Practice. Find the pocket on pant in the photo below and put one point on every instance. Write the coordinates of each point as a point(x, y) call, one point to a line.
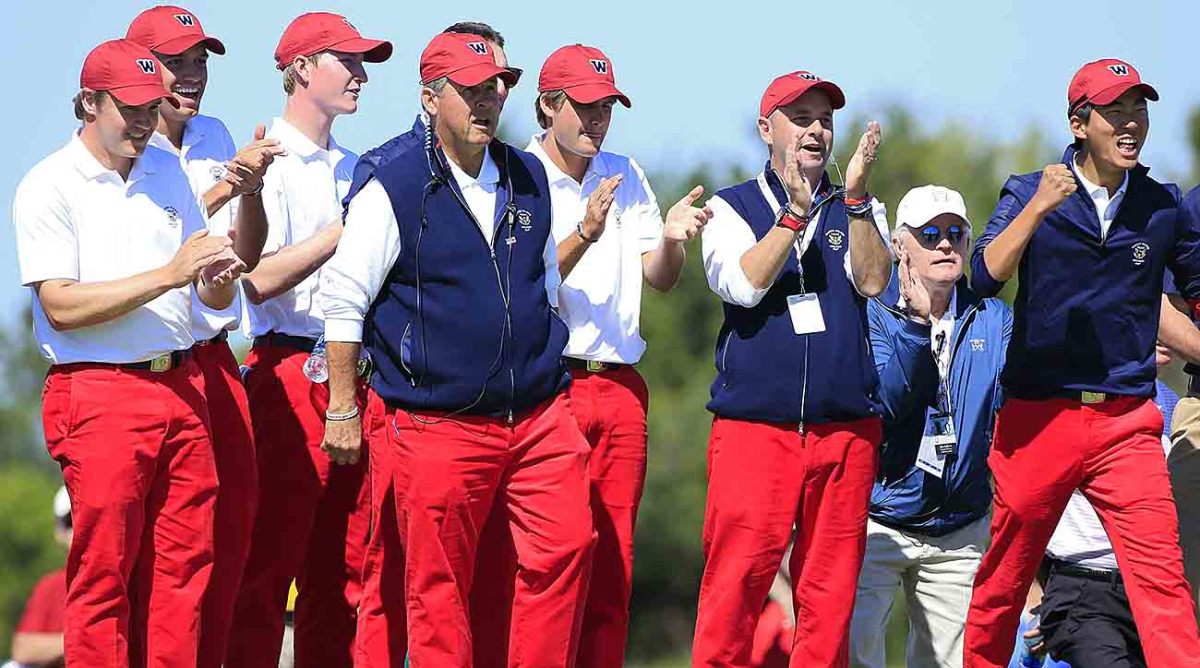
point(58, 411)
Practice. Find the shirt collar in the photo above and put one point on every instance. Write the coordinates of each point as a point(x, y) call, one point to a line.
point(193, 133)
point(298, 143)
point(489, 173)
point(597, 166)
point(1096, 192)
point(91, 169)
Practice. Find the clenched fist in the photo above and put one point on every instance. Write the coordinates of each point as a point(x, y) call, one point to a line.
point(1057, 184)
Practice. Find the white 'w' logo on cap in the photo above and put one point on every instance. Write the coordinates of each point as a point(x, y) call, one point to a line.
point(808, 76)
point(146, 64)
point(185, 20)
point(478, 47)
point(601, 66)
point(1119, 70)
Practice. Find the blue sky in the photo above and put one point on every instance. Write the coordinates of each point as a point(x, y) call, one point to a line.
point(695, 74)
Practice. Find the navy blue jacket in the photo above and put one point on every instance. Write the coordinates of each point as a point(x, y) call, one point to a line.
point(767, 372)
point(460, 325)
point(1086, 312)
point(904, 496)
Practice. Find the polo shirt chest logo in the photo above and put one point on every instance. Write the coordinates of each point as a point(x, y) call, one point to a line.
point(217, 172)
point(172, 216)
point(1140, 250)
point(835, 238)
point(525, 220)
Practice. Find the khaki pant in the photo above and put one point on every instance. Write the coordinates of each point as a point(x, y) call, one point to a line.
point(1183, 463)
point(937, 575)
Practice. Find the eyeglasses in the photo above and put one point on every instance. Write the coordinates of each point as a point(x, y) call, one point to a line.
point(931, 235)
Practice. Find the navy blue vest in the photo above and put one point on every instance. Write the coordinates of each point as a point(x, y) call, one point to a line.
point(767, 372)
point(460, 325)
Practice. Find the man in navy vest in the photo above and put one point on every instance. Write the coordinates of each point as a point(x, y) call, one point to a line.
point(447, 273)
point(797, 417)
point(1089, 239)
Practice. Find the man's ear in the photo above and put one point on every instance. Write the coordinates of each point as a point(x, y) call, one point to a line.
point(429, 101)
point(90, 102)
point(764, 130)
point(1079, 128)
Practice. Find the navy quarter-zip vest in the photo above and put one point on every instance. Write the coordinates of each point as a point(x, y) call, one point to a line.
point(767, 372)
point(460, 325)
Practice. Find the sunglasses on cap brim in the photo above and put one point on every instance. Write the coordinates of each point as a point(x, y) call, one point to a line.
point(931, 235)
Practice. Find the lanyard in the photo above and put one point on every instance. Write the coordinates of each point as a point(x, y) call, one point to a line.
point(943, 392)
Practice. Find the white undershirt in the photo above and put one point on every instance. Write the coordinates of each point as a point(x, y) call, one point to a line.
point(1106, 207)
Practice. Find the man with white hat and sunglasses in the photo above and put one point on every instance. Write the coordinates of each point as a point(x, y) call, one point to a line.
point(939, 349)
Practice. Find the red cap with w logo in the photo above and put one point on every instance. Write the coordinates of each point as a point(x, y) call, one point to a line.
point(467, 60)
point(1101, 82)
point(786, 89)
point(170, 31)
point(584, 73)
point(314, 32)
point(128, 71)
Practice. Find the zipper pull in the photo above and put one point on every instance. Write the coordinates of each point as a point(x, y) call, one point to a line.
point(510, 417)
point(800, 428)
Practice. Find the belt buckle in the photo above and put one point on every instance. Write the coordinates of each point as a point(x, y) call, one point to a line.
point(1092, 397)
point(596, 366)
point(161, 363)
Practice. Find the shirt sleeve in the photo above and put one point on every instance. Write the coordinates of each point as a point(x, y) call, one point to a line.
point(647, 217)
point(724, 241)
point(1007, 209)
point(879, 215)
point(47, 246)
point(42, 611)
point(365, 254)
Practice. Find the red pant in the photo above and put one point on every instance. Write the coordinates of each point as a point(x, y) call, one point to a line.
point(312, 525)
point(237, 471)
point(610, 408)
point(382, 640)
point(447, 472)
point(137, 461)
point(1111, 451)
point(764, 478)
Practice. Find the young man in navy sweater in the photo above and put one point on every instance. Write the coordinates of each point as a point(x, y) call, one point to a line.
point(795, 400)
point(1089, 239)
point(447, 273)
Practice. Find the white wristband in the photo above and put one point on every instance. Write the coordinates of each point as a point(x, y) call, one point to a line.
point(342, 417)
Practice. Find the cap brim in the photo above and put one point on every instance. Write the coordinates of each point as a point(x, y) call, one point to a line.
point(174, 47)
point(372, 50)
point(473, 75)
point(837, 99)
point(594, 92)
point(136, 96)
point(1110, 94)
point(913, 224)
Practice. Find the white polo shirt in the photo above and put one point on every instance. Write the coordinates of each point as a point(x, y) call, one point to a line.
point(601, 299)
point(79, 221)
point(302, 194)
point(370, 245)
point(727, 237)
point(1106, 206)
point(207, 146)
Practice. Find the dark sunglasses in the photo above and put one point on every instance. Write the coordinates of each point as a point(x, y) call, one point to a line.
point(930, 235)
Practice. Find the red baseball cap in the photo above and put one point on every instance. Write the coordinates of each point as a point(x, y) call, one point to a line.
point(785, 89)
point(128, 71)
point(324, 31)
point(584, 73)
point(466, 59)
point(170, 30)
point(1101, 82)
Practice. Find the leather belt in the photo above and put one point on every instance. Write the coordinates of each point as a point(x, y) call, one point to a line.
point(302, 343)
point(1075, 570)
point(162, 363)
point(592, 366)
point(219, 338)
